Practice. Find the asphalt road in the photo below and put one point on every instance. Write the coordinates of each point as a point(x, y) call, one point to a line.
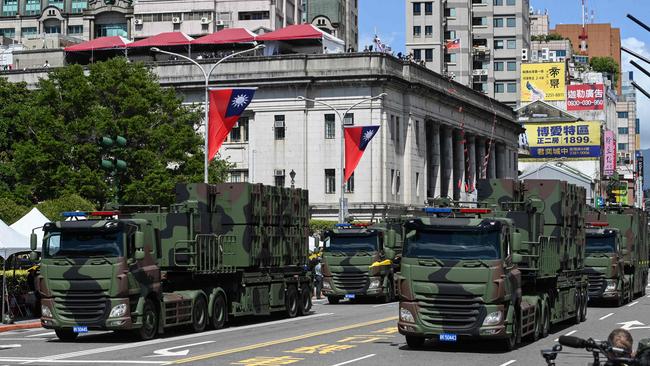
point(333, 335)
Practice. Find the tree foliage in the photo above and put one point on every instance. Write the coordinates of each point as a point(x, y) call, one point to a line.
point(547, 37)
point(52, 209)
point(606, 65)
point(10, 211)
point(52, 149)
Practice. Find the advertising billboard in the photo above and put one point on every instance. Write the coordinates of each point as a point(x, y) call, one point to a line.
point(585, 97)
point(570, 140)
point(543, 81)
point(609, 155)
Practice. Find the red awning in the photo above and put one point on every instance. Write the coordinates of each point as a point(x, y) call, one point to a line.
point(293, 32)
point(226, 36)
point(163, 40)
point(103, 43)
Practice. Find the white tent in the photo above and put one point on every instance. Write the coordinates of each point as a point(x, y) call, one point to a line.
point(30, 221)
point(11, 241)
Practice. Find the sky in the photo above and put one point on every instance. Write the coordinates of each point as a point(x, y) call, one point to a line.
point(387, 19)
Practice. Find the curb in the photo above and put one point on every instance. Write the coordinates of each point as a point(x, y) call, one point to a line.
point(31, 325)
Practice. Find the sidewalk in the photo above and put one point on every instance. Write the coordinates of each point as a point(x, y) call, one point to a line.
point(23, 324)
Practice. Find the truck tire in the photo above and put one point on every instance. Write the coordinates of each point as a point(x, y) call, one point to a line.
point(546, 321)
point(291, 302)
point(66, 335)
point(305, 301)
point(219, 312)
point(149, 327)
point(511, 342)
point(583, 310)
point(199, 315)
point(333, 300)
point(415, 342)
point(390, 292)
point(537, 332)
point(578, 300)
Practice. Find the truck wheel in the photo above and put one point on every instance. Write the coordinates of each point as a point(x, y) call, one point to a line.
point(333, 300)
point(66, 335)
point(583, 310)
point(218, 319)
point(546, 322)
point(390, 292)
point(291, 302)
point(415, 342)
point(199, 315)
point(149, 322)
point(534, 336)
point(578, 300)
point(510, 343)
point(305, 301)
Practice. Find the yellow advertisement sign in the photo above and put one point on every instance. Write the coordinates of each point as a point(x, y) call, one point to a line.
point(544, 81)
point(564, 140)
point(621, 196)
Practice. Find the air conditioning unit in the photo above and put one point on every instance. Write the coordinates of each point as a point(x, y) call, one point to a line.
point(479, 72)
point(176, 20)
point(138, 22)
point(278, 172)
point(524, 54)
point(552, 55)
point(220, 23)
point(205, 20)
point(279, 124)
point(545, 54)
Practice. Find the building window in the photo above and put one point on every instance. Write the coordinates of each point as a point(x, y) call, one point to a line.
point(279, 127)
point(417, 8)
point(53, 29)
point(499, 87)
point(348, 120)
point(428, 31)
point(78, 6)
point(637, 126)
point(28, 31)
point(417, 184)
point(349, 185)
point(279, 181)
point(330, 126)
point(511, 22)
point(622, 114)
point(8, 32)
point(417, 55)
point(392, 181)
point(417, 31)
point(239, 132)
point(330, 181)
point(10, 8)
point(450, 12)
point(451, 58)
point(511, 2)
point(57, 3)
point(397, 131)
point(623, 130)
point(511, 44)
point(33, 7)
point(75, 29)
point(511, 87)
point(253, 15)
point(622, 147)
point(428, 55)
point(498, 22)
point(428, 8)
point(498, 2)
point(238, 176)
point(417, 132)
point(450, 34)
point(512, 65)
point(498, 44)
point(498, 66)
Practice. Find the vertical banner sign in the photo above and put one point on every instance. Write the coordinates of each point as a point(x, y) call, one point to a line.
point(545, 81)
point(585, 97)
point(609, 155)
point(639, 166)
point(573, 140)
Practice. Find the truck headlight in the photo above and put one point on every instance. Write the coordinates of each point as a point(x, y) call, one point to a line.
point(375, 283)
point(45, 311)
point(327, 285)
point(118, 311)
point(611, 286)
point(493, 318)
point(406, 316)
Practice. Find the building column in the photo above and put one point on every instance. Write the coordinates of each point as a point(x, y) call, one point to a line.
point(433, 159)
point(446, 157)
point(492, 162)
point(471, 151)
point(501, 160)
point(459, 164)
point(480, 157)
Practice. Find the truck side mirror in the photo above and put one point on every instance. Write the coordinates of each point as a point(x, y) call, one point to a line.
point(139, 240)
point(33, 241)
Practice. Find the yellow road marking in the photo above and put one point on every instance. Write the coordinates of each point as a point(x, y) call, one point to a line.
point(284, 340)
point(363, 338)
point(389, 330)
point(268, 361)
point(321, 349)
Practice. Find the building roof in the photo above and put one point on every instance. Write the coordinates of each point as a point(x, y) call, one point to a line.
point(102, 43)
point(163, 40)
point(293, 32)
point(226, 36)
point(541, 111)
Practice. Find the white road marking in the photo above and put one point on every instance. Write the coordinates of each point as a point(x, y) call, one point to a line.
point(632, 304)
point(633, 325)
point(388, 304)
point(355, 360)
point(9, 346)
point(87, 352)
point(109, 362)
point(606, 316)
point(508, 363)
point(648, 296)
point(41, 335)
point(571, 332)
point(167, 352)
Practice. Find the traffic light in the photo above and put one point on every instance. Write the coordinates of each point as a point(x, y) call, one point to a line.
point(110, 162)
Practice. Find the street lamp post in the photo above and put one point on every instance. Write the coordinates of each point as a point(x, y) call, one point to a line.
point(206, 75)
point(341, 119)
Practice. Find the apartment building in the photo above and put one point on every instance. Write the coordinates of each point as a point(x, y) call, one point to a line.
point(339, 18)
point(539, 23)
point(479, 43)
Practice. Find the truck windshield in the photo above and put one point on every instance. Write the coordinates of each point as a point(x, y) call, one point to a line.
point(454, 245)
point(352, 243)
point(601, 244)
point(83, 244)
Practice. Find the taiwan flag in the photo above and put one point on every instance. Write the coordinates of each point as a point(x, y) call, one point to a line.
point(226, 105)
point(356, 141)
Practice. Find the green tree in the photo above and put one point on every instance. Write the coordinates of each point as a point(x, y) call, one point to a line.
point(10, 211)
point(606, 65)
point(52, 209)
point(54, 150)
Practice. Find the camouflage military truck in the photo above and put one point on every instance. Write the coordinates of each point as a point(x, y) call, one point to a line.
point(221, 251)
point(358, 260)
point(617, 254)
point(505, 270)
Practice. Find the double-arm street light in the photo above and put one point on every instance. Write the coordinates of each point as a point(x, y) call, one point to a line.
point(341, 119)
point(206, 74)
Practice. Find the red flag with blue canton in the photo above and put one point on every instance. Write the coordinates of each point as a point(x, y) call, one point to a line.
point(226, 105)
point(356, 141)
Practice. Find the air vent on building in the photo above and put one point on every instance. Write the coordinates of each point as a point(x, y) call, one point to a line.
point(279, 124)
point(205, 20)
point(176, 20)
point(220, 23)
point(138, 22)
point(524, 54)
point(278, 172)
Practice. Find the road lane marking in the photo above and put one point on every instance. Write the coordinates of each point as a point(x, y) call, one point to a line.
point(568, 334)
point(632, 304)
point(167, 352)
point(179, 338)
point(283, 340)
point(40, 335)
point(606, 316)
point(508, 363)
point(106, 362)
point(388, 304)
point(355, 360)
point(9, 346)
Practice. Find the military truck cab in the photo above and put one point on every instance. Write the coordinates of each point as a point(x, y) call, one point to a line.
point(358, 261)
point(604, 264)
